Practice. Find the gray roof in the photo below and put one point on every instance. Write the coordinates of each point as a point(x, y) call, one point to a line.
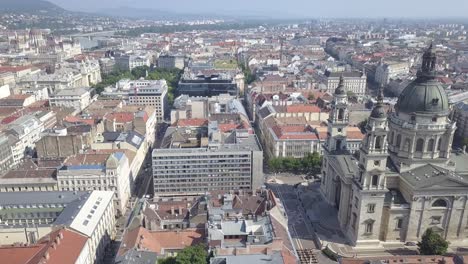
point(353, 74)
point(72, 92)
point(461, 166)
point(346, 164)
point(134, 256)
point(433, 177)
point(265, 111)
point(71, 211)
point(274, 258)
point(131, 137)
point(18, 198)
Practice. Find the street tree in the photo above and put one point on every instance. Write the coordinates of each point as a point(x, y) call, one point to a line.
point(432, 244)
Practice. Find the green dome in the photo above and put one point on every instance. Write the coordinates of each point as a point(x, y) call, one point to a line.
point(423, 96)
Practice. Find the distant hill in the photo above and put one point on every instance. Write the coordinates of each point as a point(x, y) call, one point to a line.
point(148, 13)
point(29, 6)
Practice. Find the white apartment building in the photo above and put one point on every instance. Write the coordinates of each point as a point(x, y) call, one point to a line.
point(142, 92)
point(69, 75)
point(76, 98)
point(6, 155)
point(129, 62)
point(355, 82)
point(389, 70)
point(103, 172)
point(23, 133)
point(96, 220)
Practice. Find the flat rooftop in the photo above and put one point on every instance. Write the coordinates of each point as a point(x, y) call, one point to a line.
point(249, 143)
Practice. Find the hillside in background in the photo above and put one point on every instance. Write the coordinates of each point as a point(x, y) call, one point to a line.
point(29, 6)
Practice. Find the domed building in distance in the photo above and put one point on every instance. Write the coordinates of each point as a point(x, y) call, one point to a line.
point(404, 181)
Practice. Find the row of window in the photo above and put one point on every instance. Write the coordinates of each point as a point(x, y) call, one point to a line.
point(86, 182)
point(419, 143)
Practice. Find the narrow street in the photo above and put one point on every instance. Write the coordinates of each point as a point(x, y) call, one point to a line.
point(301, 229)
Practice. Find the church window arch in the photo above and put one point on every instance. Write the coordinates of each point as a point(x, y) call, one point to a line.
point(341, 114)
point(378, 142)
point(439, 203)
point(439, 144)
point(430, 145)
point(406, 146)
point(420, 145)
point(398, 141)
point(375, 180)
point(369, 226)
point(390, 139)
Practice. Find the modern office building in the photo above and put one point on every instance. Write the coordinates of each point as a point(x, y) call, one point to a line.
point(194, 166)
point(203, 85)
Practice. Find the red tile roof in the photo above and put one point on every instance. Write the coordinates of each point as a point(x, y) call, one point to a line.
point(18, 96)
point(157, 241)
point(86, 159)
point(19, 254)
point(60, 246)
point(75, 119)
point(228, 127)
point(194, 122)
point(302, 108)
point(354, 133)
point(14, 68)
point(64, 246)
point(120, 117)
point(294, 132)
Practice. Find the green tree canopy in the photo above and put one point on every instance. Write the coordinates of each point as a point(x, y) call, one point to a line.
point(192, 255)
point(311, 96)
point(432, 244)
point(310, 163)
point(172, 77)
point(275, 164)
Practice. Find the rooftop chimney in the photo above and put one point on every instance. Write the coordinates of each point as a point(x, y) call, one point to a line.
point(172, 210)
point(180, 210)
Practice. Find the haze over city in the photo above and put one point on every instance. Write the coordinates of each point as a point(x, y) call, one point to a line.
point(233, 132)
point(289, 9)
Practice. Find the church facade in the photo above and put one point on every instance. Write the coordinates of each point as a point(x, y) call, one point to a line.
point(403, 181)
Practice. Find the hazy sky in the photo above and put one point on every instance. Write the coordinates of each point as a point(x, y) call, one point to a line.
point(285, 8)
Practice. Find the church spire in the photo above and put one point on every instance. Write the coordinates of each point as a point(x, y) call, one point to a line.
point(428, 63)
point(340, 90)
point(379, 110)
